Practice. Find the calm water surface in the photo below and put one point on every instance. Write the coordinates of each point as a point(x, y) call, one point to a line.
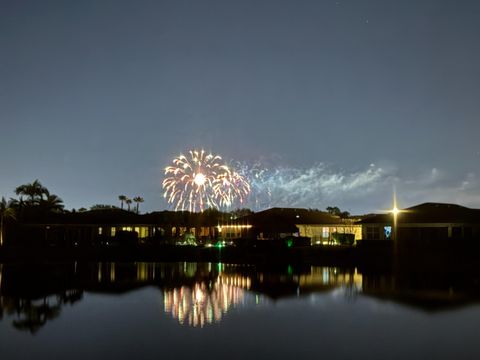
point(208, 310)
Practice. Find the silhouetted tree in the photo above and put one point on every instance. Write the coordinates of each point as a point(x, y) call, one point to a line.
point(33, 191)
point(52, 203)
point(35, 316)
point(128, 202)
point(211, 216)
point(122, 198)
point(238, 213)
point(6, 211)
point(138, 200)
point(18, 204)
point(82, 209)
point(334, 210)
point(102, 207)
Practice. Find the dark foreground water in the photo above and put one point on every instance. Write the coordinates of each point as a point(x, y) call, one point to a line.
point(213, 311)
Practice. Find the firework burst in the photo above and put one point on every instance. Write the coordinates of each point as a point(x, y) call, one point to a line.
point(200, 180)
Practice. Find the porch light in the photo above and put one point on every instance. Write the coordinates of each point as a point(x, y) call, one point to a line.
point(395, 211)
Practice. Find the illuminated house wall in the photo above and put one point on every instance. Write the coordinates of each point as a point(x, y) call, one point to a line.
point(233, 231)
point(323, 233)
point(142, 231)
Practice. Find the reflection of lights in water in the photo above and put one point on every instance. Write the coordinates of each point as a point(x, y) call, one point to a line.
point(145, 271)
point(327, 276)
point(201, 304)
point(99, 272)
point(106, 272)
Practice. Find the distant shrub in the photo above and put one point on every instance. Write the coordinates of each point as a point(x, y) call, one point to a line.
point(344, 239)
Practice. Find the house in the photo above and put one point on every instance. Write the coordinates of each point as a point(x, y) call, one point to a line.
point(121, 227)
point(428, 221)
point(112, 226)
point(278, 223)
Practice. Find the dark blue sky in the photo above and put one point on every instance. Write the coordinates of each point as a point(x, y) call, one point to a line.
point(353, 96)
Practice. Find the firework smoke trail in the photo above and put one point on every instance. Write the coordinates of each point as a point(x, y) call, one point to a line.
point(314, 186)
point(199, 181)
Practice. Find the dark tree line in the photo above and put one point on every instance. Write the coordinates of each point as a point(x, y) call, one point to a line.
point(34, 200)
point(334, 210)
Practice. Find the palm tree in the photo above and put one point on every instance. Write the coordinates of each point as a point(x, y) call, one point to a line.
point(6, 211)
point(128, 202)
point(122, 198)
point(34, 191)
point(17, 204)
point(138, 200)
point(53, 203)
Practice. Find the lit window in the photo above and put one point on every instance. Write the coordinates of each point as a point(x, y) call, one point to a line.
point(387, 231)
point(100, 230)
point(113, 231)
point(325, 232)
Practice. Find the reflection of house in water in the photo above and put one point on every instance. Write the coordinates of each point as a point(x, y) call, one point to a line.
point(428, 291)
point(198, 294)
point(206, 302)
point(195, 294)
point(305, 280)
point(329, 277)
point(30, 298)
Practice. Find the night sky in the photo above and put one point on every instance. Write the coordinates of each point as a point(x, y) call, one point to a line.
point(340, 100)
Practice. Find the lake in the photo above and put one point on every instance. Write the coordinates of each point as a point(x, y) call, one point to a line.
point(213, 310)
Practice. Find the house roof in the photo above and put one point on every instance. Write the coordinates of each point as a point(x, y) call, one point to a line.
point(298, 216)
point(286, 219)
point(100, 216)
point(429, 213)
point(118, 216)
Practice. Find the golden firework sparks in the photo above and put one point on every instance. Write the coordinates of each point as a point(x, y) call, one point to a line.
point(200, 180)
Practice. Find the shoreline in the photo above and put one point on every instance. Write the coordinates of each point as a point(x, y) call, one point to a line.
point(333, 255)
point(368, 257)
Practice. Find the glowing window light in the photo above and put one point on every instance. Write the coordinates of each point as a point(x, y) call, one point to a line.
point(221, 227)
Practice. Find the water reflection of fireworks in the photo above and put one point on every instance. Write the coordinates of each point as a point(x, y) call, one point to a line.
point(205, 303)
